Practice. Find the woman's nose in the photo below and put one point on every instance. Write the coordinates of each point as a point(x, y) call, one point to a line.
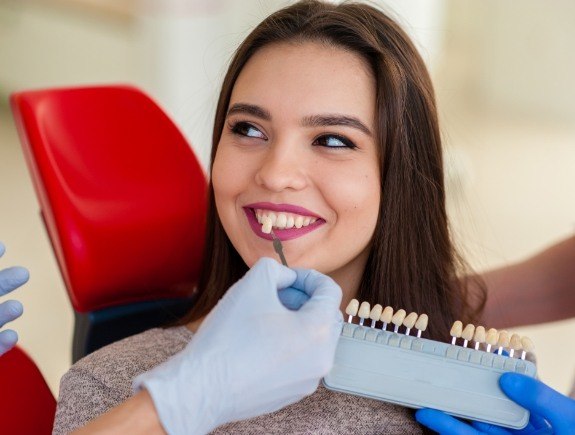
point(282, 168)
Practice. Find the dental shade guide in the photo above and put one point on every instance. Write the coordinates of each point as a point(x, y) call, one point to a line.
point(267, 229)
point(421, 373)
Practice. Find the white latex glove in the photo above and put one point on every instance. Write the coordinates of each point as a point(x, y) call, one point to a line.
point(251, 355)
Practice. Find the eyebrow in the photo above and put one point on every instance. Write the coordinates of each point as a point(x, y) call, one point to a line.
point(308, 121)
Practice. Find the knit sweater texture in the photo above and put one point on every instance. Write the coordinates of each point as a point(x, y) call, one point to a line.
point(103, 380)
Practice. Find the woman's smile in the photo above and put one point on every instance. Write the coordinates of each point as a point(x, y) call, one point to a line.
point(288, 221)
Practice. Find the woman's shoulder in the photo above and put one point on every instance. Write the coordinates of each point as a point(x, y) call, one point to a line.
point(134, 355)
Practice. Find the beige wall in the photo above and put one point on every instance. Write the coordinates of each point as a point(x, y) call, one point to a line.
point(506, 103)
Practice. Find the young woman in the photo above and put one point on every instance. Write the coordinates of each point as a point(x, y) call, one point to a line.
point(326, 123)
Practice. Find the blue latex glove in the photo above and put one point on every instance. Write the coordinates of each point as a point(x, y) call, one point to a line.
point(293, 298)
point(10, 279)
point(551, 411)
point(251, 355)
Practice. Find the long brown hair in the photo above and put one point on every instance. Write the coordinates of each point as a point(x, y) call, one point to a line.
point(412, 263)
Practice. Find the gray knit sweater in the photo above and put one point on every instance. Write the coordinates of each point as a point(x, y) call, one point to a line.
point(103, 380)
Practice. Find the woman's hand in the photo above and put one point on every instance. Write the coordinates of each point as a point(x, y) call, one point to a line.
point(551, 411)
point(251, 355)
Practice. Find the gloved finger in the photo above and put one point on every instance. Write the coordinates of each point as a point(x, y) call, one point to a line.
point(323, 290)
point(292, 298)
point(12, 278)
point(8, 339)
point(538, 398)
point(10, 310)
point(490, 428)
point(443, 423)
point(262, 282)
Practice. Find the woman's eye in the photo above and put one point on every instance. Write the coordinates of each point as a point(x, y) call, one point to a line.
point(248, 130)
point(334, 141)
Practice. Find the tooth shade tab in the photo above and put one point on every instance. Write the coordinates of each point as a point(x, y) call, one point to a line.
point(503, 341)
point(266, 225)
point(375, 312)
point(284, 220)
point(364, 310)
point(491, 338)
point(410, 319)
point(514, 344)
point(351, 309)
point(527, 345)
point(421, 324)
point(456, 331)
point(467, 333)
point(386, 315)
point(479, 336)
point(397, 319)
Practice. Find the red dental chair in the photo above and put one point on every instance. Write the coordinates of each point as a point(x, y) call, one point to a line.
point(123, 199)
point(26, 402)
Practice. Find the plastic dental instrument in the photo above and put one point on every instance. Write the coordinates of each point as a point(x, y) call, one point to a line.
point(267, 229)
point(421, 373)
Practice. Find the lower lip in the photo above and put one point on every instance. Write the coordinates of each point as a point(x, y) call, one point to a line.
point(287, 234)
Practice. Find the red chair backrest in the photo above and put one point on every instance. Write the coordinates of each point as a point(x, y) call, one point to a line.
point(27, 406)
point(121, 191)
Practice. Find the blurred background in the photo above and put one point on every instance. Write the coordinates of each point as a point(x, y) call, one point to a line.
point(503, 73)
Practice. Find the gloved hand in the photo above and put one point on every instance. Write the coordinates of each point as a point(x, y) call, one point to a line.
point(10, 279)
point(251, 355)
point(551, 412)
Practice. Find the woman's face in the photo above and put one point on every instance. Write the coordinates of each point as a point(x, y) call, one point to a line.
point(298, 145)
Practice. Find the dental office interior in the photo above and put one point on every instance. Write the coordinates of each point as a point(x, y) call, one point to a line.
point(503, 74)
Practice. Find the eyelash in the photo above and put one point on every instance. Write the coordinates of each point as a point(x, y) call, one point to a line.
point(240, 128)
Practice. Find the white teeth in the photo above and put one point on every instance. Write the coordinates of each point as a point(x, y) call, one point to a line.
point(283, 220)
point(298, 222)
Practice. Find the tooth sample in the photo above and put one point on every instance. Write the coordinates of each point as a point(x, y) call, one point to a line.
point(409, 322)
point(514, 344)
point(351, 309)
point(281, 221)
point(456, 331)
point(479, 336)
point(502, 342)
point(492, 338)
point(397, 319)
point(267, 225)
point(467, 334)
point(527, 346)
point(375, 313)
point(386, 317)
point(363, 312)
point(421, 324)
point(298, 222)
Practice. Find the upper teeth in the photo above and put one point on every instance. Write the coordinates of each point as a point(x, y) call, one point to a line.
point(284, 220)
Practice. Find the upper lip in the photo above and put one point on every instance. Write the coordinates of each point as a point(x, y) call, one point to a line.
point(287, 208)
